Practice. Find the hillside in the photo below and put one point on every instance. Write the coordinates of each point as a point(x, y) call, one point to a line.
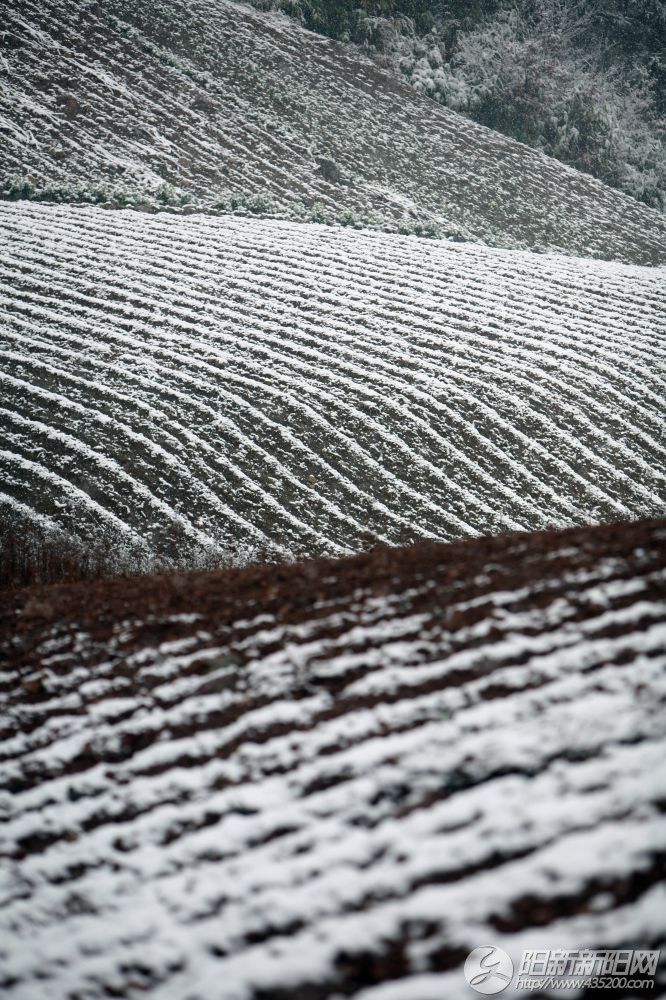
point(332, 498)
point(583, 82)
point(215, 104)
point(193, 385)
point(337, 778)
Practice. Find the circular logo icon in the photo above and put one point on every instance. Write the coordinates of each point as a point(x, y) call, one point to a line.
point(488, 970)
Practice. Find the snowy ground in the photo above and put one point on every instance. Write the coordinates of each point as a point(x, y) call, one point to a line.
point(334, 780)
point(232, 107)
point(259, 386)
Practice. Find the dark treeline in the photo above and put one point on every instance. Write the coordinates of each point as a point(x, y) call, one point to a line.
point(32, 555)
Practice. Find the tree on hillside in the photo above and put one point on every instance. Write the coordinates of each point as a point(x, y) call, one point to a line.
point(583, 81)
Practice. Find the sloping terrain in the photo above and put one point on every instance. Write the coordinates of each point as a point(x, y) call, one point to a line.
point(336, 778)
point(252, 387)
point(154, 103)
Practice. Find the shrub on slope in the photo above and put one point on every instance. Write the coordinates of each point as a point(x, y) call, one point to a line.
point(36, 550)
point(584, 82)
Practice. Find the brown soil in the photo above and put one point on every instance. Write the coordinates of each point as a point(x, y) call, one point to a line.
point(80, 653)
point(289, 592)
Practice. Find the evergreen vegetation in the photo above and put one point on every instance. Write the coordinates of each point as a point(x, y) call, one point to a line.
point(584, 82)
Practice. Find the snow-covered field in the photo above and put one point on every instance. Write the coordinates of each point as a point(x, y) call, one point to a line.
point(337, 780)
point(230, 106)
point(262, 386)
point(330, 779)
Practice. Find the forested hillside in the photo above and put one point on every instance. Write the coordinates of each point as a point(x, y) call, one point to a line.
point(584, 82)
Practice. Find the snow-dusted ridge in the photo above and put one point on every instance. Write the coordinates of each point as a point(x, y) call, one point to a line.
point(334, 780)
point(273, 386)
point(233, 107)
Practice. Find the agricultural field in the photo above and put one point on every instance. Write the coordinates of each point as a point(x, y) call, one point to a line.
point(338, 778)
point(247, 387)
point(208, 104)
point(332, 538)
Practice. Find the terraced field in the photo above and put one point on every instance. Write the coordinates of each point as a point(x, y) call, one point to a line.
point(252, 387)
point(156, 103)
point(334, 779)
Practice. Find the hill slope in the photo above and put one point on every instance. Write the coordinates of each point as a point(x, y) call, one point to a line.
point(231, 106)
point(306, 390)
point(335, 779)
point(253, 385)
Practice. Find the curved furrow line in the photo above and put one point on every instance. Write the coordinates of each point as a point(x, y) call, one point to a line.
point(308, 412)
point(618, 375)
point(212, 307)
point(160, 418)
point(619, 508)
point(520, 329)
point(407, 329)
point(431, 360)
point(372, 401)
point(198, 444)
point(30, 443)
point(331, 238)
point(622, 399)
point(27, 513)
point(262, 262)
point(418, 322)
point(369, 285)
point(323, 251)
point(314, 417)
point(213, 415)
point(424, 426)
point(64, 486)
point(238, 473)
point(628, 455)
point(593, 458)
point(246, 234)
point(499, 264)
point(100, 419)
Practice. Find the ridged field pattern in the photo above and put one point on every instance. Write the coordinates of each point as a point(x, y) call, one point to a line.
point(222, 103)
point(335, 780)
point(252, 386)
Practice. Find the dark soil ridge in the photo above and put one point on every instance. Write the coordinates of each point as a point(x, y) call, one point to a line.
point(274, 762)
point(291, 590)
